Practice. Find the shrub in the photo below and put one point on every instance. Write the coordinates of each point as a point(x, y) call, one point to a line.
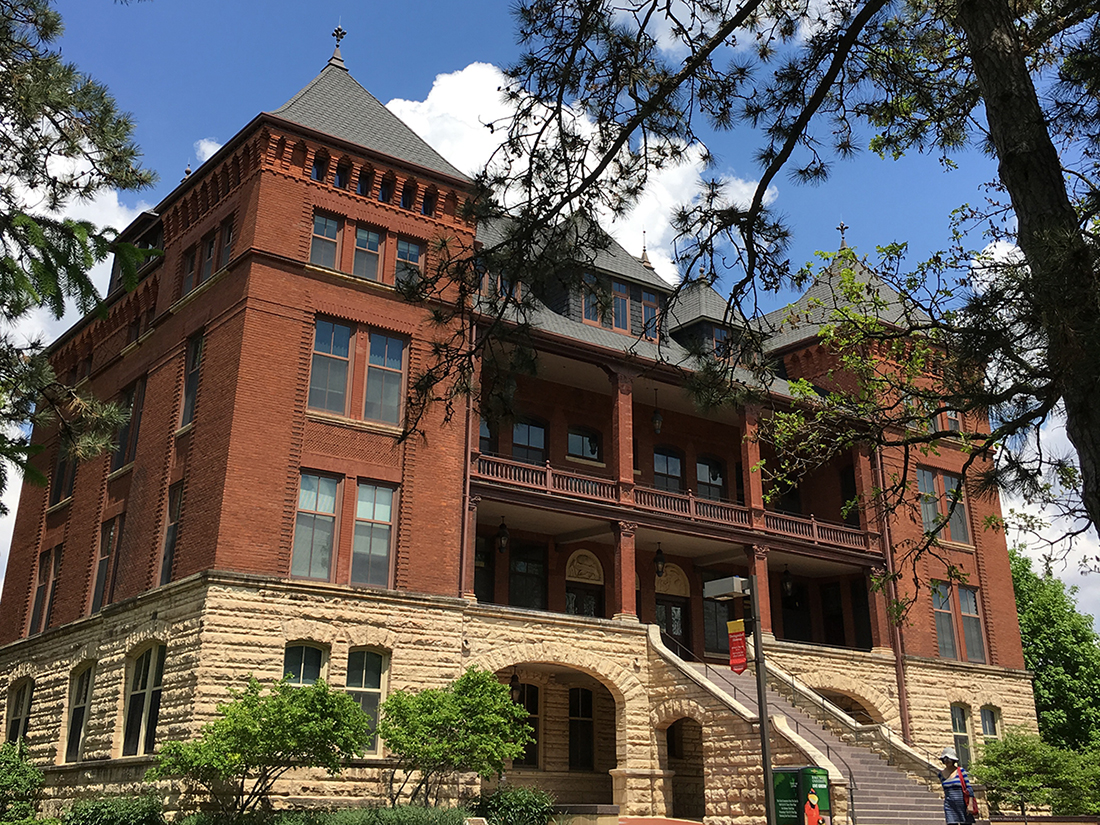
point(401, 815)
point(116, 810)
point(20, 784)
point(516, 805)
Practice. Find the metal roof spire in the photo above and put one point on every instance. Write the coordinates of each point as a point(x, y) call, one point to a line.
point(336, 60)
point(842, 229)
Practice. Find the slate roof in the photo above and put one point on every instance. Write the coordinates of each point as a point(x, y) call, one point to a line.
point(334, 103)
point(803, 319)
point(697, 301)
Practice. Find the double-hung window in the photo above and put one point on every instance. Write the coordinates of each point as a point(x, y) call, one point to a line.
point(938, 492)
point(209, 256)
point(328, 378)
point(991, 723)
point(49, 571)
point(958, 618)
point(960, 727)
point(302, 664)
point(80, 696)
point(710, 479)
point(64, 477)
point(668, 470)
point(620, 305)
point(529, 442)
point(370, 554)
point(591, 300)
point(366, 674)
point(143, 702)
point(529, 701)
point(19, 709)
point(385, 378)
point(367, 246)
point(191, 379)
point(322, 250)
point(110, 539)
point(132, 400)
point(171, 532)
point(650, 308)
point(582, 739)
point(315, 527)
point(409, 263)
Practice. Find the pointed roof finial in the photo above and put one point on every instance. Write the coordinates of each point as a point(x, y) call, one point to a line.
point(842, 229)
point(645, 255)
point(337, 60)
point(339, 33)
point(186, 173)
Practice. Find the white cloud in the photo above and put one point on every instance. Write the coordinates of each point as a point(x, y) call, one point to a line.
point(205, 149)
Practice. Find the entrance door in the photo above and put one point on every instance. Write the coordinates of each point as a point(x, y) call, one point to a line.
point(672, 618)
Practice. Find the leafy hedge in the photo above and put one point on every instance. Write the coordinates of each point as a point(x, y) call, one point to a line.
point(116, 810)
point(515, 805)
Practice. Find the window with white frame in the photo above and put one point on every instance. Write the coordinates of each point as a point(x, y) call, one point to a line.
point(368, 245)
point(19, 709)
point(143, 702)
point(328, 375)
point(302, 664)
point(991, 723)
point(80, 697)
point(366, 685)
point(960, 728)
point(315, 527)
point(370, 552)
point(324, 243)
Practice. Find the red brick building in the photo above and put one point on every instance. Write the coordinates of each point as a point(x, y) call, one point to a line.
point(262, 515)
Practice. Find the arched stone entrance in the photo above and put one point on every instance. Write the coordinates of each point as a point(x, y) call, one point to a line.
point(682, 755)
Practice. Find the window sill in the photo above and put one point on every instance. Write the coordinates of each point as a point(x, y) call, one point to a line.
point(354, 423)
point(956, 545)
point(348, 277)
point(61, 505)
point(121, 471)
point(588, 462)
point(186, 428)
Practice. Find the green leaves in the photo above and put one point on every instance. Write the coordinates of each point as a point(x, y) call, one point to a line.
point(20, 784)
point(262, 734)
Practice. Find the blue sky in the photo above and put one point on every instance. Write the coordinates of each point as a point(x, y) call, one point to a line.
point(193, 73)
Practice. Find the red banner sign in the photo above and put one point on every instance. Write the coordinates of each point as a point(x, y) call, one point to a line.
point(738, 652)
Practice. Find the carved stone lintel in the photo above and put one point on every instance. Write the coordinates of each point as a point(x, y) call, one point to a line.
point(626, 528)
point(473, 502)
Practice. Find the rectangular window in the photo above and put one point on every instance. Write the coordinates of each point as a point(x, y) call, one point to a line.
point(486, 440)
point(322, 250)
point(19, 710)
point(328, 378)
point(302, 663)
point(385, 377)
point(971, 624)
point(191, 379)
point(64, 477)
point(79, 699)
point(960, 727)
point(209, 253)
point(710, 479)
point(527, 577)
point(171, 532)
point(929, 500)
point(132, 400)
point(485, 579)
point(991, 718)
point(582, 738)
point(227, 244)
point(529, 442)
point(668, 470)
point(110, 538)
point(937, 491)
point(650, 307)
point(370, 554)
point(529, 700)
point(143, 702)
point(953, 420)
point(585, 444)
point(721, 342)
point(583, 599)
point(367, 246)
point(716, 637)
point(189, 260)
point(366, 670)
point(408, 262)
point(620, 305)
point(315, 527)
point(49, 570)
point(945, 623)
point(957, 525)
point(591, 300)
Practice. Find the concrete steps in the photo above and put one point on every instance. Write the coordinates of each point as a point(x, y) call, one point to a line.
point(879, 793)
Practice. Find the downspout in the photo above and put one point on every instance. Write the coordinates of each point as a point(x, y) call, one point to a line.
point(892, 595)
point(464, 542)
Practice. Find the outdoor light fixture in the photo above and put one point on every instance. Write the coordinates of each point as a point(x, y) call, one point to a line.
point(514, 686)
point(502, 536)
point(659, 561)
point(786, 582)
point(658, 419)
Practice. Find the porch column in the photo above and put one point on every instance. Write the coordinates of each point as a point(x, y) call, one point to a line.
point(471, 549)
point(758, 561)
point(625, 608)
point(882, 634)
point(865, 486)
point(622, 437)
point(750, 459)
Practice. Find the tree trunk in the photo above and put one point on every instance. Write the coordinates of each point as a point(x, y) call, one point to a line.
point(1063, 275)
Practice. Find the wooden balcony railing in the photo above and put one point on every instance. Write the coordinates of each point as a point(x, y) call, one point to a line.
point(546, 479)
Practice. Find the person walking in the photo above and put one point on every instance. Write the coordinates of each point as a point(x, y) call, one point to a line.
point(959, 805)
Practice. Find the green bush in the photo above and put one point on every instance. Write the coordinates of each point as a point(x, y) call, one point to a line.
point(116, 810)
point(20, 784)
point(516, 805)
point(401, 815)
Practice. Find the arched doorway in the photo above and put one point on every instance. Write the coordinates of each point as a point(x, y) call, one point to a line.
point(859, 710)
point(683, 756)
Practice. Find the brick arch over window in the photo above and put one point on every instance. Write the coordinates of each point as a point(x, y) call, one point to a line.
point(631, 699)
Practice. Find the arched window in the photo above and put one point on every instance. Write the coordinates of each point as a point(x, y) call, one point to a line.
point(19, 709)
point(960, 727)
point(80, 697)
point(320, 167)
point(366, 684)
point(429, 204)
point(408, 194)
point(584, 585)
point(343, 175)
point(366, 181)
point(143, 702)
point(302, 663)
point(385, 191)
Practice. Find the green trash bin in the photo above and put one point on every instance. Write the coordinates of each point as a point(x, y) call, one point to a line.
point(788, 809)
point(813, 787)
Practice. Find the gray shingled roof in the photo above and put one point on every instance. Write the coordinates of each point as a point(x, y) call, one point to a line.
point(803, 319)
point(334, 103)
point(697, 301)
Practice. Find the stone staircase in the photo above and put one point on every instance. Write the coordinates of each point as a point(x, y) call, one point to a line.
point(879, 793)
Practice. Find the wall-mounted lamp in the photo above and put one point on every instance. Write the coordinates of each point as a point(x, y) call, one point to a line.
point(786, 582)
point(659, 561)
point(502, 537)
point(514, 686)
point(658, 419)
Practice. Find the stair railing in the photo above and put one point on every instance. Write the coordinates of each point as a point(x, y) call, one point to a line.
point(687, 656)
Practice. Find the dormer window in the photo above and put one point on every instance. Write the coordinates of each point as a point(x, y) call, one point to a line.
point(366, 181)
point(650, 307)
point(320, 168)
point(408, 195)
point(385, 191)
point(428, 207)
point(591, 300)
point(343, 176)
point(720, 342)
point(620, 305)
